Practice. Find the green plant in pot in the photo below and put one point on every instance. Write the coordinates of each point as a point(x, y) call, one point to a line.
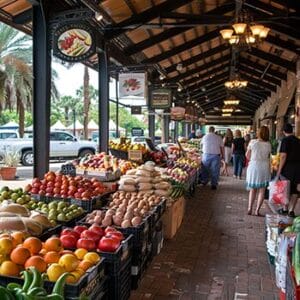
point(11, 160)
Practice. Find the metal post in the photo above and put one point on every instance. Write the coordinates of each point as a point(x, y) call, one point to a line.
point(151, 125)
point(297, 101)
point(74, 122)
point(41, 89)
point(176, 131)
point(166, 128)
point(103, 101)
point(117, 106)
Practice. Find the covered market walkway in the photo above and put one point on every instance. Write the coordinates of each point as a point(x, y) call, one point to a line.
point(219, 252)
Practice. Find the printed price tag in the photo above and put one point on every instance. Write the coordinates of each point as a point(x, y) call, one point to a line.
point(136, 155)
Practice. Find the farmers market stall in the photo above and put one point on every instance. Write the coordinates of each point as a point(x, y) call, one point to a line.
point(92, 229)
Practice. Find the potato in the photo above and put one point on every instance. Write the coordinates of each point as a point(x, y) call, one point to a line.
point(136, 221)
point(128, 216)
point(125, 224)
point(117, 220)
point(107, 221)
point(98, 220)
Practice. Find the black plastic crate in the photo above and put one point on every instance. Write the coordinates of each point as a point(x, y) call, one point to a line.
point(138, 255)
point(115, 261)
point(119, 153)
point(86, 284)
point(68, 169)
point(50, 232)
point(136, 279)
point(140, 233)
point(119, 285)
point(5, 280)
point(87, 205)
point(49, 199)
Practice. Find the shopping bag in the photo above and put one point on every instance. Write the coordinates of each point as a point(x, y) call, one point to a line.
point(279, 193)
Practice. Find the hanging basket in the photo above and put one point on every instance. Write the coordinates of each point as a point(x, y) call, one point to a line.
point(190, 114)
point(177, 113)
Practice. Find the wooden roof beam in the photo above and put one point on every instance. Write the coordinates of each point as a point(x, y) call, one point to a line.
point(168, 33)
point(272, 58)
point(183, 47)
point(145, 16)
point(285, 45)
point(209, 90)
point(207, 82)
point(258, 74)
point(199, 57)
point(258, 82)
point(23, 18)
point(260, 67)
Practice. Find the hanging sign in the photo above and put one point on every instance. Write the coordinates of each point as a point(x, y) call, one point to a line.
point(136, 110)
point(74, 42)
point(136, 131)
point(136, 155)
point(160, 98)
point(132, 84)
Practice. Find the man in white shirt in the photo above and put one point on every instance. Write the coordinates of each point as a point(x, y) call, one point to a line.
point(213, 152)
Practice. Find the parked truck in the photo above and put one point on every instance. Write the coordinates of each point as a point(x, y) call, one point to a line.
point(63, 145)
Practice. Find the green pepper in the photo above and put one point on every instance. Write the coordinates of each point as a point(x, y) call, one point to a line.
point(28, 277)
point(37, 280)
point(37, 291)
point(51, 297)
point(13, 286)
point(5, 294)
point(58, 288)
point(23, 296)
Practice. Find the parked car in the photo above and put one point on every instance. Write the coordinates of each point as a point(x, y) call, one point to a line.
point(8, 134)
point(63, 145)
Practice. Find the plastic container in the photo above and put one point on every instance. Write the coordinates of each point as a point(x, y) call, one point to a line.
point(119, 284)
point(115, 261)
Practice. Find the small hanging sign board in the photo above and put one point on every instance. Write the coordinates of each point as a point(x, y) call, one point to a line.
point(136, 155)
point(137, 131)
point(160, 98)
point(74, 42)
point(136, 110)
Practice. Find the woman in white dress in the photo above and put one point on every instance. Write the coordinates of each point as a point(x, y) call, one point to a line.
point(258, 171)
point(228, 139)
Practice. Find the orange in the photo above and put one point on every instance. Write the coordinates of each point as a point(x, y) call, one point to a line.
point(19, 255)
point(53, 244)
point(80, 253)
point(51, 257)
point(33, 244)
point(92, 257)
point(54, 271)
point(6, 245)
point(73, 279)
point(43, 252)
point(9, 268)
point(69, 262)
point(37, 262)
point(18, 237)
point(66, 252)
point(85, 265)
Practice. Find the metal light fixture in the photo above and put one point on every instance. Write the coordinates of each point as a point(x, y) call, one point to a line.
point(226, 115)
point(235, 82)
point(244, 32)
point(98, 16)
point(161, 77)
point(179, 67)
point(227, 110)
point(231, 102)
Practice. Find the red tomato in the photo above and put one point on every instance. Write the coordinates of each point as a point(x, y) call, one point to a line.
point(87, 244)
point(109, 229)
point(116, 235)
point(80, 228)
point(68, 241)
point(41, 193)
point(96, 228)
point(70, 231)
point(88, 234)
point(107, 244)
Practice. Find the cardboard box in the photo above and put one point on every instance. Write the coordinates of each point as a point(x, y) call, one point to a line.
point(172, 218)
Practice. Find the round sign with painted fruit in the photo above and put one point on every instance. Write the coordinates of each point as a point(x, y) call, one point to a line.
point(74, 42)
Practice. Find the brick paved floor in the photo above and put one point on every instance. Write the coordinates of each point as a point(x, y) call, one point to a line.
point(218, 253)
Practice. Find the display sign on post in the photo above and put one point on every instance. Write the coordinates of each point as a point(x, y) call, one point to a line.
point(136, 155)
point(136, 110)
point(160, 98)
point(74, 42)
point(136, 131)
point(132, 84)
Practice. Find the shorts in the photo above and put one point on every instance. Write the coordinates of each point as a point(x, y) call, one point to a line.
point(291, 171)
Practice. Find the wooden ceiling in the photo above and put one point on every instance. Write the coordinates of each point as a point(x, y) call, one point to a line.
point(164, 33)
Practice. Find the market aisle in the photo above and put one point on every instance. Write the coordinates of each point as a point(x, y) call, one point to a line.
point(218, 253)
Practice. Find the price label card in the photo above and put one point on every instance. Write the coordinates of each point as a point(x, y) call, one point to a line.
point(136, 155)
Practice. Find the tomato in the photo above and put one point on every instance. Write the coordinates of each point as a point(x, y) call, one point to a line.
point(116, 235)
point(80, 228)
point(68, 241)
point(50, 184)
point(107, 244)
point(96, 228)
point(87, 244)
point(70, 231)
point(88, 234)
point(41, 192)
point(109, 229)
point(34, 190)
point(56, 190)
point(27, 188)
point(86, 195)
point(36, 185)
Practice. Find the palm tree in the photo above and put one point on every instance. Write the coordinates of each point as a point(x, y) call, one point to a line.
point(15, 72)
point(87, 93)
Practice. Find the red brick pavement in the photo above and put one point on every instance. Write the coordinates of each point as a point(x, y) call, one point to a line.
point(218, 253)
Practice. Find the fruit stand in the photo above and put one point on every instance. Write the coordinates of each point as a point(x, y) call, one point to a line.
point(92, 229)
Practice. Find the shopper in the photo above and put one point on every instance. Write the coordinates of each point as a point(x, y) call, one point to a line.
point(213, 152)
point(238, 152)
point(289, 166)
point(192, 135)
point(258, 171)
point(247, 139)
point(228, 140)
